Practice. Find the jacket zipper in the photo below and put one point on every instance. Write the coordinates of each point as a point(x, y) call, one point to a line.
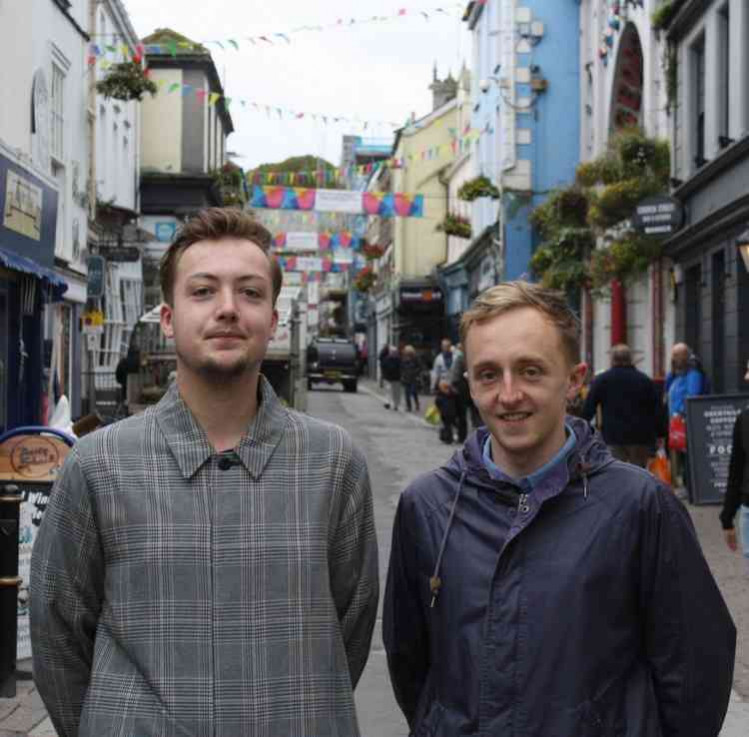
point(523, 507)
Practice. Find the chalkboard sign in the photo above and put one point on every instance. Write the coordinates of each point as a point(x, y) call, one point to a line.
point(710, 421)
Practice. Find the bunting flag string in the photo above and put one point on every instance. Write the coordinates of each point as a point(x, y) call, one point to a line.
point(285, 38)
point(304, 241)
point(384, 204)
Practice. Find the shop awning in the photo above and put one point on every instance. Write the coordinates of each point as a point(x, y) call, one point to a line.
point(16, 262)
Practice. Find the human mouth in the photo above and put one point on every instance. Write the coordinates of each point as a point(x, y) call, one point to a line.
point(514, 417)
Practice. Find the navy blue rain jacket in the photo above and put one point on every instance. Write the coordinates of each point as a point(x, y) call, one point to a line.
point(582, 609)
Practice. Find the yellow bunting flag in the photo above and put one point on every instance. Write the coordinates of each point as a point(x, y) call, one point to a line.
point(213, 98)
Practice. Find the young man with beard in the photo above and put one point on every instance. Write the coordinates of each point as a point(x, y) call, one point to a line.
point(208, 567)
point(539, 587)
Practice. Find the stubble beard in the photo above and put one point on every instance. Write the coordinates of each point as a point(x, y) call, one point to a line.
point(214, 371)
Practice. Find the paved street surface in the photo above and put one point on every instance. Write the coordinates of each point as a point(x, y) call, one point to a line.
point(399, 447)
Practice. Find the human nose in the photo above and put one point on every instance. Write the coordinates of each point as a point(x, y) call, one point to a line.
point(508, 391)
point(227, 305)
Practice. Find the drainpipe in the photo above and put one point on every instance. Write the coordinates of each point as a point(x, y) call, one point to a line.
point(658, 318)
point(618, 313)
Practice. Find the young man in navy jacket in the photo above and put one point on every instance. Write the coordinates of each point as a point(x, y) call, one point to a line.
point(538, 587)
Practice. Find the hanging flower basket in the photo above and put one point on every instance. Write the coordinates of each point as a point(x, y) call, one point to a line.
point(373, 251)
point(456, 225)
point(478, 187)
point(126, 81)
point(365, 279)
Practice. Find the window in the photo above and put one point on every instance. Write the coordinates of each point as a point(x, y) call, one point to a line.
point(57, 117)
point(114, 153)
point(125, 169)
point(724, 72)
point(698, 86)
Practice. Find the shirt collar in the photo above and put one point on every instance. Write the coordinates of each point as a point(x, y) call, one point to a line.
point(530, 482)
point(189, 444)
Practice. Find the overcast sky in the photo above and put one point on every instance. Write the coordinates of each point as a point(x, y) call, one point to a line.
point(369, 71)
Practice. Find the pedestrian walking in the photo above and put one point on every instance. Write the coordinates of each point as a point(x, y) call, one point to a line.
point(630, 407)
point(460, 393)
point(208, 567)
point(410, 372)
point(441, 388)
point(391, 371)
point(381, 356)
point(537, 586)
point(737, 489)
point(686, 379)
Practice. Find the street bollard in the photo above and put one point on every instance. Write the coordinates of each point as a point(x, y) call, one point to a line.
point(10, 504)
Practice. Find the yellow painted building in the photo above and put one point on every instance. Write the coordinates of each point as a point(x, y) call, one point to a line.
point(427, 151)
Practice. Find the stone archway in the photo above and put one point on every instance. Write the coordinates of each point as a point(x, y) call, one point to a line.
point(627, 88)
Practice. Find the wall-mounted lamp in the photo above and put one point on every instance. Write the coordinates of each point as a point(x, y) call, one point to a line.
point(678, 272)
point(485, 84)
point(724, 141)
point(742, 243)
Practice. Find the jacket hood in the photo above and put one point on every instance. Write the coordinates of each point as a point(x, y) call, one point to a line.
point(588, 457)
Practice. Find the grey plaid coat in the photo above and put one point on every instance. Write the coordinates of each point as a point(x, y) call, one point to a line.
point(170, 597)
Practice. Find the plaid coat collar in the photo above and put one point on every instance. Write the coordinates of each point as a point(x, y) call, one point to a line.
point(190, 446)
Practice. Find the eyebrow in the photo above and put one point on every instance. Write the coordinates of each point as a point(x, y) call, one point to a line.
point(212, 277)
point(522, 361)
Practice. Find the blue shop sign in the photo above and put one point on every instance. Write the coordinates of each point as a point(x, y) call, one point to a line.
point(28, 213)
point(165, 232)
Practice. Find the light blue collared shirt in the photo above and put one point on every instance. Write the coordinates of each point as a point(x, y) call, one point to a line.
point(530, 482)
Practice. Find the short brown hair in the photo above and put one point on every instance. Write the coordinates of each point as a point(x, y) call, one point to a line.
point(214, 224)
point(513, 295)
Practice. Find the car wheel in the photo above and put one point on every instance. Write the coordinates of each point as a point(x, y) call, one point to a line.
point(350, 386)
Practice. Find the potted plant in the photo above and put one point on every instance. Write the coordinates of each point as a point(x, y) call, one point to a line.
point(373, 251)
point(479, 187)
point(126, 81)
point(365, 279)
point(456, 225)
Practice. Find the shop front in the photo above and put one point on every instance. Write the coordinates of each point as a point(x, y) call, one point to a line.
point(419, 318)
point(28, 282)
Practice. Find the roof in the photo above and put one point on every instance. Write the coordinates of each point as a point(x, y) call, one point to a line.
point(167, 48)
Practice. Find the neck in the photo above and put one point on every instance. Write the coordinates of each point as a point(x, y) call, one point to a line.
point(224, 410)
point(518, 465)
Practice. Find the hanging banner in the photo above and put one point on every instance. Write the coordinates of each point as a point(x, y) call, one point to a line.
point(308, 263)
point(301, 241)
point(338, 200)
point(397, 204)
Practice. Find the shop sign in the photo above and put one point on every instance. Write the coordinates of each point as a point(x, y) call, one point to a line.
point(23, 206)
point(93, 322)
point(658, 216)
point(416, 294)
point(122, 254)
point(95, 285)
point(710, 422)
point(165, 232)
point(28, 213)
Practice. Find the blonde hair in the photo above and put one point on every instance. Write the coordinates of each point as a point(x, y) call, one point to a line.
point(409, 350)
point(514, 295)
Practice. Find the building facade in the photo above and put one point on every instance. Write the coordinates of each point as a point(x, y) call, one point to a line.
point(183, 143)
point(45, 158)
point(623, 85)
point(710, 129)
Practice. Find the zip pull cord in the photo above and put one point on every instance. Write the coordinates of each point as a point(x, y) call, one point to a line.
point(435, 582)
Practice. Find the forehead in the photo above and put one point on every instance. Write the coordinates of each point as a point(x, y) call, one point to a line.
point(517, 335)
point(228, 257)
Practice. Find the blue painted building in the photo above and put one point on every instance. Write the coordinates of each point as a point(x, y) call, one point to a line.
point(525, 112)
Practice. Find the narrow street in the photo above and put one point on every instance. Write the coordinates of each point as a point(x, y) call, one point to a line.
point(400, 446)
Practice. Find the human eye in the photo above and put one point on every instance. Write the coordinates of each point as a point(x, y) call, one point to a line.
point(201, 291)
point(532, 372)
point(487, 376)
point(252, 292)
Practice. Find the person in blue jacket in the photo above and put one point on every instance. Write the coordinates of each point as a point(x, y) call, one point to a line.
point(686, 379)
point(537, 586)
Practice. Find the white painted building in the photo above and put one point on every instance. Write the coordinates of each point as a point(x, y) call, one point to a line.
point(115, 169)
point(614, 50)
point(45, 119)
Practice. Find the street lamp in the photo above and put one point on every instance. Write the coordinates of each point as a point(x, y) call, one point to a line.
point(742, 243)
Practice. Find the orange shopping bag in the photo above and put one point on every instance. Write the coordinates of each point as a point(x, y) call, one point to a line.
point(660, 467)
